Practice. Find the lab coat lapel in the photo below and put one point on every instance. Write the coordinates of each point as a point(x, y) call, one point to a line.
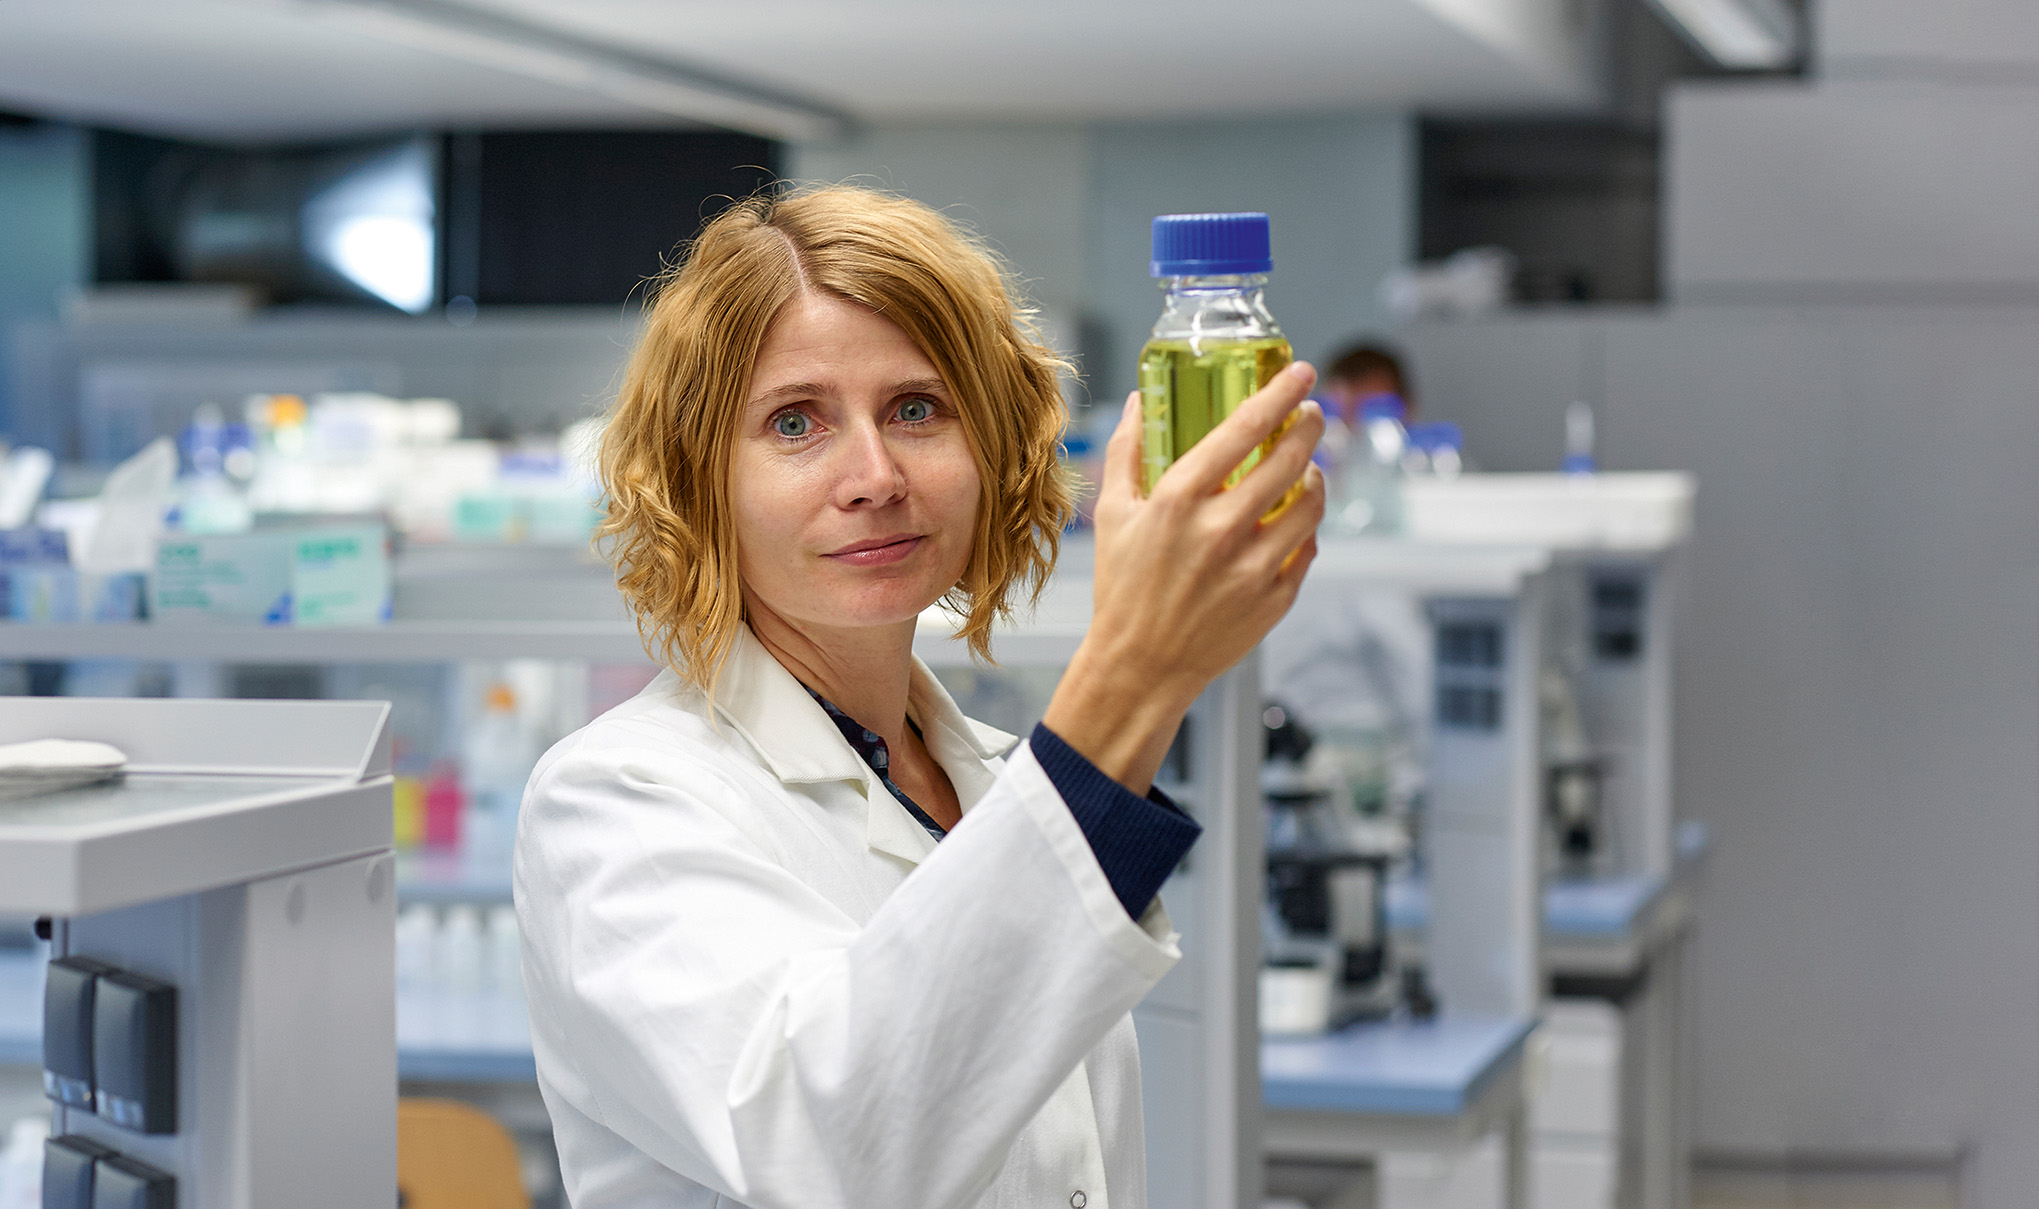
point(765, 704)
point(797, 741)
point(969, 751)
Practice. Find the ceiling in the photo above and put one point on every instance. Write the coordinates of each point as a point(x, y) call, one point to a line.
point(266, 70)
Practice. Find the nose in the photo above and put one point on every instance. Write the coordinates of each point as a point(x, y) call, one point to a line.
point(867, 474)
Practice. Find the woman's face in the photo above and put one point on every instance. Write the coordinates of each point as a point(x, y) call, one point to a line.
point(853, 489)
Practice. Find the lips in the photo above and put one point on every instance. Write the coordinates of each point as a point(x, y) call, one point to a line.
point(878, 551)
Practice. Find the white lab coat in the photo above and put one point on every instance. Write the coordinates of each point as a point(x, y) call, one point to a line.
point(756, 981)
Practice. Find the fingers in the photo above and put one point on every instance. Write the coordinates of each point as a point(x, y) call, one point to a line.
point(1122, 454)
point(1272, 476)
point(1203, 467)
point(1289, 580)
point(1282, 534)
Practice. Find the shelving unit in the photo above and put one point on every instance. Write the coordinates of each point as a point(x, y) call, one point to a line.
point(393, 642)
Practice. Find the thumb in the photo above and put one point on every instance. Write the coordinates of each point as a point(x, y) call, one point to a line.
point(1122, 453)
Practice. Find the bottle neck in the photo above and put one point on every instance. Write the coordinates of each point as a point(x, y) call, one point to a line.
point(1253, 283)
point(1221, 308)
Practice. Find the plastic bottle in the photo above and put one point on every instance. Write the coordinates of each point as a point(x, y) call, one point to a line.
point(212, 501)
point(1579, 440)
point(1215, 342)
point(443, 804)
point(462, 960)
point(1436, 449)
point(1371, 502)
point(497, 752)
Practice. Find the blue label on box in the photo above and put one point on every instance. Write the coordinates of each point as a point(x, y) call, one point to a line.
point(28, 547)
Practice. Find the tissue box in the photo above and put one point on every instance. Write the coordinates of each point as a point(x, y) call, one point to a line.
point(321, 575)
point(36, 579)
point(340, 575)
point(42, 592)
point(20, 547)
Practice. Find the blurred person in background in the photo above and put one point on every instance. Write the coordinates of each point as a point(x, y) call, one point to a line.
point(1361, 371)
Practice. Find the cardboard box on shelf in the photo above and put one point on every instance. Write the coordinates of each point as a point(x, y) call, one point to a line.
point(312, 575)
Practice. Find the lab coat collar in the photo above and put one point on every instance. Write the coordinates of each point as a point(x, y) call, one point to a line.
point(799, 743)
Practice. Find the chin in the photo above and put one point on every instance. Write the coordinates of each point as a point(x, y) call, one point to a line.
point(874, 604)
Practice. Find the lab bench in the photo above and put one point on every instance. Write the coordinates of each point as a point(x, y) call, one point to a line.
point(1387, 1085)
point(226, 895)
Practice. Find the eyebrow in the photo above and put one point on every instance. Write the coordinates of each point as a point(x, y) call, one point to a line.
point(793, 390)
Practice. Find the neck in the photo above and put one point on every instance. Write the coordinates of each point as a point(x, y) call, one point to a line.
point(866, 672)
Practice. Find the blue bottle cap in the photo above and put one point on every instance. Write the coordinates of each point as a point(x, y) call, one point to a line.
point(1210, 245)
point(1383, 403)
point(1437, 434)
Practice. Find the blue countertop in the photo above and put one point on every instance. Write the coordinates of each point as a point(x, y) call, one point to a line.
point(467, 1066)
point(1595, 908)
point(1588, 908)
point(1402, 1068)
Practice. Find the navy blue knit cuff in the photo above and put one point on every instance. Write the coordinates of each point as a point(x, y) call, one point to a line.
point(1137, 841)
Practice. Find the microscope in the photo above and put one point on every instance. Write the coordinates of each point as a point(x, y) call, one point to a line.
point(1327, 873)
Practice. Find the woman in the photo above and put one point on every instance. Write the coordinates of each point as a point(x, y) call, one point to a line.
point(797, 933)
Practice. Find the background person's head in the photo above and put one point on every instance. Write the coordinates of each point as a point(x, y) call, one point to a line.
point(708, 496)
point(1360, 371)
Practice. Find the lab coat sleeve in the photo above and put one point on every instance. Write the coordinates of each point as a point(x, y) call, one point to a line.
point(726, 1019)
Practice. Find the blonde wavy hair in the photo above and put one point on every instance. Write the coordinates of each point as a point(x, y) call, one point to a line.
point(665, 453)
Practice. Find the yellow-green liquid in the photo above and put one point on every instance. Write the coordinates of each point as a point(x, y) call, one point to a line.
point(1187, 388)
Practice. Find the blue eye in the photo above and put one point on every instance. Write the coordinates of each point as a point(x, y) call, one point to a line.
point(790, 424)
point(915, 411)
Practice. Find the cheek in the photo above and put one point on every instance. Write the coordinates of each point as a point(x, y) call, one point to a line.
point(766, 505)
point(959, 494)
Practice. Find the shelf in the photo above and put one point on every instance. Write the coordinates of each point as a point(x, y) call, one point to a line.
point(466, 1066)
point(439, 878)
point(434, 591)
point(1590, 513)
point(1425, 568)
point(394, 642)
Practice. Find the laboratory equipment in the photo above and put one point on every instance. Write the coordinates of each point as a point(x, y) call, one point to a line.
point(1434, 1105)
point(1611, 1126)
point(1369, 499)
point(1435, 447)
point(1327, 871)
point(218, 1015)
point(1215, 343)
point(1579, 439)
